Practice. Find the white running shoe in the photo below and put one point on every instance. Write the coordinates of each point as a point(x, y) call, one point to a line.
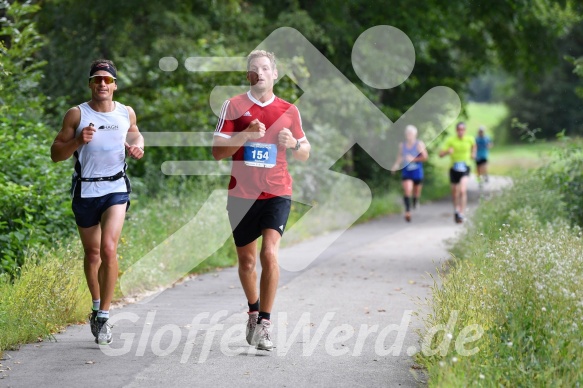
point(263, 335)
point(251, 324)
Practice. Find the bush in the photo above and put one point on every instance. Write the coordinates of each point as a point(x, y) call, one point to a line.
point(33, 199)
point(566, 175)
point(34, 208)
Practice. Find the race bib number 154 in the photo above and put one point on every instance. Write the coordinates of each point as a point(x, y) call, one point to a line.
point(259, 154)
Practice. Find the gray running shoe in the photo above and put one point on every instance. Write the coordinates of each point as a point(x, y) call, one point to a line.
point(104, 337)
point(93, 323)
point(263, 335)
point(251, 324)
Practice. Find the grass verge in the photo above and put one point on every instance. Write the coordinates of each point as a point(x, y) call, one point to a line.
point(514, 289)
point(46, 296)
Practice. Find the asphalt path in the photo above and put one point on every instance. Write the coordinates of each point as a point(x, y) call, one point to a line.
point(349, 319)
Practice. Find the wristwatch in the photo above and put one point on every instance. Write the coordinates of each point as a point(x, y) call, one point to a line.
point(298, 145)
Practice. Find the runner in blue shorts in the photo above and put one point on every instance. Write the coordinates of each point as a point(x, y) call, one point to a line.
point(98, 133)
point(412, 154)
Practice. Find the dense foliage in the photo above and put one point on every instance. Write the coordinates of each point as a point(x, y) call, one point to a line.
point(33, 204)
point(552, 100)
point(454, 41)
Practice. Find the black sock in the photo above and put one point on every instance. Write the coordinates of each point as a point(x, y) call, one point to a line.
point(263, 315)
point(407, 201)
point(414, 202)
point(254, 306)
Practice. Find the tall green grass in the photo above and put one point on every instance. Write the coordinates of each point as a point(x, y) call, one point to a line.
point(46, 296)
point(389, 203)
point(517, 275)
point(151, 221)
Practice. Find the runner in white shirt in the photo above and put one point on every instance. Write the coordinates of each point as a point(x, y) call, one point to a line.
point(98, 134)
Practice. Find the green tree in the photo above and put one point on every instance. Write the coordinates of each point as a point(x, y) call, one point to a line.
point(454, 41)
point(136, 35)
point(551, 103)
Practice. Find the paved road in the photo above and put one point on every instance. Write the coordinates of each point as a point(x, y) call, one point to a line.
point(344, 321)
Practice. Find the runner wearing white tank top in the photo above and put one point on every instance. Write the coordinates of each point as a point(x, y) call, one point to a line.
point(104, 155)
point(98, 134)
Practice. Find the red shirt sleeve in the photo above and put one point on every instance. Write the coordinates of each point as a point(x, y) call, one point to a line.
point(296, 127)
point(225, 125)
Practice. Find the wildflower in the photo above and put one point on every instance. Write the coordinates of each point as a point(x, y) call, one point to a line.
point(544, 309)
point(454, 359)
point(509, 343)
point(482, 376)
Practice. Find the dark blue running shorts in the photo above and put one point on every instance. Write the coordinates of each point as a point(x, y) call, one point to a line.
point(415, 175)
point(88, 211)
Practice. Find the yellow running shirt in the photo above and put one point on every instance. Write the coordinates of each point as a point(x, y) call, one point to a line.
point(462, 148)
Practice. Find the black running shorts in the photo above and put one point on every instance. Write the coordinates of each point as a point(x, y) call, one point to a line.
point(249, 217)
point(479, 162)
point(455, 176)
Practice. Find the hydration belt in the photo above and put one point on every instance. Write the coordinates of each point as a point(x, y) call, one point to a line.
point(76, 188)
point(115, 177)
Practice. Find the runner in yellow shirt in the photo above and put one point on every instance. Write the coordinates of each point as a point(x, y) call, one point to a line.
point(462, 150)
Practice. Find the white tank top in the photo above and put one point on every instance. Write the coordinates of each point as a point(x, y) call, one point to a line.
point(104, 156)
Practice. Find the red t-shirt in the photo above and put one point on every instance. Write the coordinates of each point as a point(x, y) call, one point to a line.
point(258, 173)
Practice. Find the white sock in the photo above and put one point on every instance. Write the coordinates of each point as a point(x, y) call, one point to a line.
point(103, 314)
point(96, 303)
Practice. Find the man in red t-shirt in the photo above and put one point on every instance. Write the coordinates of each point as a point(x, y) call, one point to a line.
point(256, 129)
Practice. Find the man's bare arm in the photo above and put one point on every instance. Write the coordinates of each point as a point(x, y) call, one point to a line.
point(134, 139)
point(66, 143)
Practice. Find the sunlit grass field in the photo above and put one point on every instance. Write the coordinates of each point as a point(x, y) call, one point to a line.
point(488, 115)
point(507, 159)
